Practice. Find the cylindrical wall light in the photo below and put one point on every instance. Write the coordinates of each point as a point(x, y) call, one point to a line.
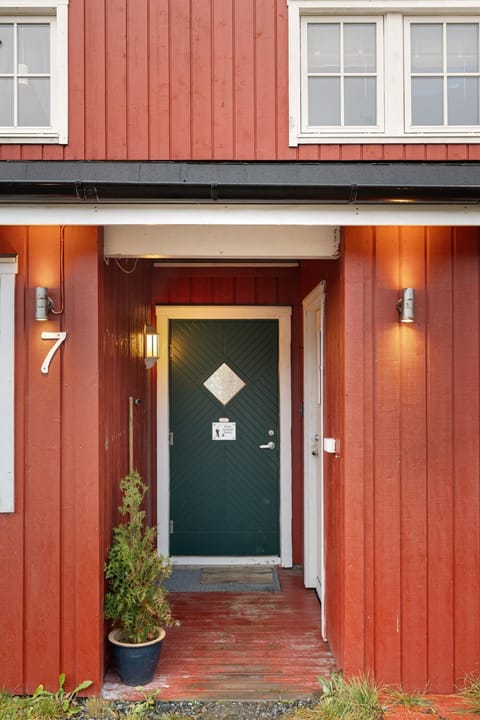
point(43, 304)
point(405, 306)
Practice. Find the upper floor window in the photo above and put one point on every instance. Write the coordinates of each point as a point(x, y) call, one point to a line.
point(33, 72)
point(384, 71)
point(342, 81)
point(442, 73)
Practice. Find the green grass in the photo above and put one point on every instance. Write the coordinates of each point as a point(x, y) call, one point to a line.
point(43, 704)
point(413, 699)
point(353, 699)
point(470, 692)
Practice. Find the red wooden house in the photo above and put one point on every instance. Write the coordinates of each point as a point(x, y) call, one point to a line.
point(293, 165)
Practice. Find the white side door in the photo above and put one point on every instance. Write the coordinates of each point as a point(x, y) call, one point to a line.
point(313, 324)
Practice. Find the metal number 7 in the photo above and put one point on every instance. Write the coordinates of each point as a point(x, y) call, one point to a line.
point(60, 338)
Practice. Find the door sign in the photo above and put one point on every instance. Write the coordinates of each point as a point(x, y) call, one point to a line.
point(224, 431)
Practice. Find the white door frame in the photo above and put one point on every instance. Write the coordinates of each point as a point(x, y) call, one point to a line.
point(164, 314)
point(314, 542)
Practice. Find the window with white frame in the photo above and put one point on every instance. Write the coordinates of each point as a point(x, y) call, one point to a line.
point(33, 71)
point(388, 71)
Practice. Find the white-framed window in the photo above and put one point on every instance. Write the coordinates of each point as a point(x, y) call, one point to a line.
point(8, 269)
point(390, 71)
point(341, 76)
point(442, 73)
point(34, 71)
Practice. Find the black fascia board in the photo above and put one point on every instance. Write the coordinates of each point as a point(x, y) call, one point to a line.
point(276, 181)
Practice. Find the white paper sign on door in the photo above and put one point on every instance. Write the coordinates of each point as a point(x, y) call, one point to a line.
point(224, 431)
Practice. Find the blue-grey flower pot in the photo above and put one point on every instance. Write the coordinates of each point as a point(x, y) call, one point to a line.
point(136, 663)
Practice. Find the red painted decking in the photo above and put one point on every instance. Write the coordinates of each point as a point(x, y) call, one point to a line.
point(251, 646)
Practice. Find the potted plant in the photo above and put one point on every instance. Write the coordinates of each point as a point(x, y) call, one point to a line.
point(136, 601)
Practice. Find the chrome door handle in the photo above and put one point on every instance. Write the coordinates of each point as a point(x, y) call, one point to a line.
point(268, 446)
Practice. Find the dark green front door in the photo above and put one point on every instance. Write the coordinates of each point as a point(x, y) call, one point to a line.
point(224, 487)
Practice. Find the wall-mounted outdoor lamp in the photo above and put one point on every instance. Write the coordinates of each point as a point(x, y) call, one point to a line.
point(43, 304)
point(152, 346)
point(405, 306)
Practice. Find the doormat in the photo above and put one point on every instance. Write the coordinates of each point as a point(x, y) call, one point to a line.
point(244, 578)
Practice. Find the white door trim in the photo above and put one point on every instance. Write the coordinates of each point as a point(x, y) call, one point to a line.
point(164, 314)
point(314, 569)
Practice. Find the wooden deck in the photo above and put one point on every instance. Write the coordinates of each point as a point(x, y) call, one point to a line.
point(248, 646)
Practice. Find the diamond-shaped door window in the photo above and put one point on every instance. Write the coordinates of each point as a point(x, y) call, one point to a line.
point(224, 384)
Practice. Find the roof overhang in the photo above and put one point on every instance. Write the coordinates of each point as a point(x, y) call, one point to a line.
point(101, 182)
point(182, 209)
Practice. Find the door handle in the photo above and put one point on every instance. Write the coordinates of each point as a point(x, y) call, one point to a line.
point(268, 446)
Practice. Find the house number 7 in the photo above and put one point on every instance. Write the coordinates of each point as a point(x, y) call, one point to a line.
point(60, 338)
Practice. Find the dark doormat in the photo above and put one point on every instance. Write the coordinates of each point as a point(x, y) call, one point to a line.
point(231, 578)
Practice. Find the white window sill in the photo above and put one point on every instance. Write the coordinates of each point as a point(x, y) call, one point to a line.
point(29, 138)
point(379, 139)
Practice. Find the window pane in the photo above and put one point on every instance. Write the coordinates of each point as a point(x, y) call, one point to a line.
point(323, 101)
point(427, 47)
point(359, 41)
point(462, 96)
point(6, 106)
point(34, 102)
point(34, 48)
point(6, 48)
point(360, 101)
point(323, 47)
point(427, 101)
point(462, 47)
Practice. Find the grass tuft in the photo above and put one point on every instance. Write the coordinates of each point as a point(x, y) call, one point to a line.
point(354, 699)
point(411, 700)
point(470, 692)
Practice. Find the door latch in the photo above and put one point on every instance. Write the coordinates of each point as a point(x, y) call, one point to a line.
point(269, 446)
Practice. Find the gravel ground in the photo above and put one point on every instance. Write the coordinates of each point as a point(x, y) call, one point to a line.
point(212, 710)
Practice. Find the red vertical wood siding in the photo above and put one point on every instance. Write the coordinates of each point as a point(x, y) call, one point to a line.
point(410, 460)
point(71, 429)
point(183, 80)
point(52, 579)
point(127, 309)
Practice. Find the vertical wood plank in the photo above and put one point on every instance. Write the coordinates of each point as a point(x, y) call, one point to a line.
point(82, 538)
point(244, 73)
point(244, 290)
point(159, 81)
point(265, 80)
point(266, 291)
point(10, 152)
point(75, 149)
point(202, 80)
point(349, 500)
point(201, 292)
point(387, 454)
point(180, 293)
point(222, 90)
point(223, 290)
point(413, 464)
point(137, 80)
point(283, 151)
point(440, 468)
point(116, 84)
point(42, 478)
point(95, 86)
point(180, 80)
point(466, 424)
